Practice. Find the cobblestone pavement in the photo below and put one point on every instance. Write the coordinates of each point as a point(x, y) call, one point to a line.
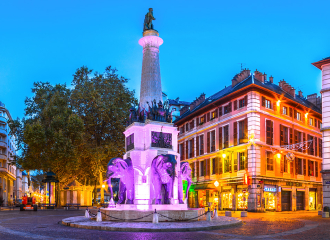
point(285, 225)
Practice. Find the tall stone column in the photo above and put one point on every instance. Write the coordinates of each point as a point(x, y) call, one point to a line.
point(151, 86)
point(324, 65)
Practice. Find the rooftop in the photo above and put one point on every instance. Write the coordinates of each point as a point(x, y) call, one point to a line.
point(250, 80)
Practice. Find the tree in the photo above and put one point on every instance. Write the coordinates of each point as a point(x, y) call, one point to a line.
point(102, 102)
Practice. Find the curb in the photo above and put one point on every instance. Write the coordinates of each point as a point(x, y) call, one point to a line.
point(126, 229)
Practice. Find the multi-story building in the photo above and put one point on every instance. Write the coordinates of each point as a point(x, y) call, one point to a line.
point(7, 152)
point(254, 145)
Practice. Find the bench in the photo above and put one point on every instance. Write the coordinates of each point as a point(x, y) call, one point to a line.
point(72, 205)
point(48, 206)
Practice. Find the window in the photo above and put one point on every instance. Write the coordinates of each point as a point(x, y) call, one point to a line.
point(285, 161)
point(227, 164)
point(311, 146)
point(311, 168)
point(201, 168)
point(266, 103)
point(241, 103)
point(284, 135)
point(285, 111)
point(201, 144)
point(269, 132)
point(213, 141)
point(213, 165)
point(298, 116)
point(202, 120)
point(213, 115)
point(311, 121)
point(243, 135)
point(226, 136)
point(270, 161)
point(191, 148)
point(299, 166)
point(181, 130)
point(242, 160)
point(192, 124)
point(187, 127)
point(226, 109)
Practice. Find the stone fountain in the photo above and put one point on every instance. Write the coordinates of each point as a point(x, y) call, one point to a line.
point(150, 172)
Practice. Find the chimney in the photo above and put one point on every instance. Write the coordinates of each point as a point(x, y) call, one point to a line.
point(184, 109)
point(292, 92)
point(271, 79)
point(312, 98)
point(259, 76)
point(300, 93)
point(244, 74)
point(265, 77)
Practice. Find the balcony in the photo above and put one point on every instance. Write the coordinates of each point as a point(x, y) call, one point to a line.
point(3, 119)
point(3, 156)
point(3, 143)
point(3, 131)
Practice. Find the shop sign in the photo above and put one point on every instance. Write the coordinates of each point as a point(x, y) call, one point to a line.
point(327, 182)
point(270, 188)
point(294, 184)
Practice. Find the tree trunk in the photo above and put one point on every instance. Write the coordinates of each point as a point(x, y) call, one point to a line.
point(95, 191)
point(102, 189)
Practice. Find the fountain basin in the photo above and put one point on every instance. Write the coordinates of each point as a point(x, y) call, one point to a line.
point(146, 215)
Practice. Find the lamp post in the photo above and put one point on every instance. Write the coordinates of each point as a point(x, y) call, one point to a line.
point(50, 178)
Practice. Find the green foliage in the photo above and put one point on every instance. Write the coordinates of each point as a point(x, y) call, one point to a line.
point(74, 132)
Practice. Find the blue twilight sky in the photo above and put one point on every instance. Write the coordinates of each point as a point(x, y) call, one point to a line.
point(204, 42)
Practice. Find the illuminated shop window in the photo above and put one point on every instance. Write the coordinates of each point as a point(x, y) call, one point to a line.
point(242, 198)
point(269, 200)
point(227, 202)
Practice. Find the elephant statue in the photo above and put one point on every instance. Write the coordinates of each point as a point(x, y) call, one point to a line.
point(162, 178)
point(184, 174)
point(123, 169)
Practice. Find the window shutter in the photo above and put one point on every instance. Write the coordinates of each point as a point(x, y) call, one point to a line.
point(220, 166)
point(296, 162)
point(304, 139)
point(290, 112)
point(187, 156)
point(197, 146)
point(309, 150)
point(315, 148)
point(281, 135)
point(230, 165)
point(197, 172)
point(208, 142)
point(272, 132)
point(295, 136)
point(235, 133)
point(235, 161)
point(295, 114)
point(216, 113)
point(246, 128)
point(204, 168)
point(220, 138)
point(229, 107)
point(220, 111)
point(183, 151)
point(290, 136)
point(315, 122)
point(216, 165)
point(263, 99)
point(193, 147)
point(319, 124)
point(282, 164)
point(235, 105)
point(291, 167)
point(246, 160)
point(197, 121)
point(320, 147)
point(245, 100)
point(316, 169)
point(208, 168)
point(205, 118)
point(305, 167)
point(183, 128)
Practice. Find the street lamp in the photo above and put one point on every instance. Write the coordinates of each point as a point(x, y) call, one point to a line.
point(50, 180)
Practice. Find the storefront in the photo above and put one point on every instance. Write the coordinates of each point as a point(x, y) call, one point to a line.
point(286, 200)
point(312, 199)
point(270, 197)
point(242, 198)
point(300, 199)
point(227, 200)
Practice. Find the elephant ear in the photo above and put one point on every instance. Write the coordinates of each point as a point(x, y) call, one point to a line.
point(184, 168)
point(159, 162)
point(120, 163)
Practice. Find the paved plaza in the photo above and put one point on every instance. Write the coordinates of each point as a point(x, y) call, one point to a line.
point(45, 225)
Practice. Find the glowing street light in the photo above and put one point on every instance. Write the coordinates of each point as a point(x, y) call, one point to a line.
point(278, 103)
point(223, 155)
point(216, 184)
point(278, 155)
point(103, 186)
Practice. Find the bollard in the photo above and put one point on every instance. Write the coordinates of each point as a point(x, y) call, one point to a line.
point(243, 214)
point(87, 213)
point(325, 214)
point(209, 216)
point(215, 213)
point(99, 216)
point(155, 217)
point(228, 214)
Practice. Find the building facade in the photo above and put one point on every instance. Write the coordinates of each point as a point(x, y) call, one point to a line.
point(254, 146)
point(7, 153)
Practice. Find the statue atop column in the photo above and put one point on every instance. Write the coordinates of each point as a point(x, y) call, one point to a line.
point(148, 20)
